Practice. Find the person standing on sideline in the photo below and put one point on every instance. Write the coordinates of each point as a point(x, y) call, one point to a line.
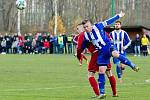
point(145, 43)
point(96, 35)
point(121, 41)
point(137, 44)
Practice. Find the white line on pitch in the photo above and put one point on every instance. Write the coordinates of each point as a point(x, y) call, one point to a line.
point(148, 80)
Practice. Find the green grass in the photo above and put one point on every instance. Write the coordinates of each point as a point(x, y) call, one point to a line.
point(59, 77)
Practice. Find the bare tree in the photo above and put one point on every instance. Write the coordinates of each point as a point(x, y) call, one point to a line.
point(38, 13)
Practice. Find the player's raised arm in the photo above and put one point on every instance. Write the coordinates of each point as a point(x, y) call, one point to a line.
point(113, 19)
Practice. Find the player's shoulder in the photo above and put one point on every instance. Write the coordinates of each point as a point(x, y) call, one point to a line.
point(123, 31)
point(82, 33)
point(75, 37)
point(98, 25)
point(112, 32)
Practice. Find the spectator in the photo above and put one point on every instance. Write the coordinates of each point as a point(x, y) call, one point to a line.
point(3, 45)
point(55, 44)
point(60, 44)
point(27, 46)
point(40, 46)
point(15, 46)
point(65, 42)
point(51, 40)
point(145, 43)
point(69, 43)
point(137, 44)
point(8, 45)
point(33, 47)
point(20, 46)
point(45, 46)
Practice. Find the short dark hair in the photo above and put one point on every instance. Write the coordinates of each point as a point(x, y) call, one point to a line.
point(118, 21)
point(85, 21)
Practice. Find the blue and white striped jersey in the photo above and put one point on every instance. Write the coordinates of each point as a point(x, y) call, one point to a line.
point(98, 36)
point(121, 40)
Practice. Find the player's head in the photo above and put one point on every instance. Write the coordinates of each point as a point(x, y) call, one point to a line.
point(80, 28)
point(118, 25)
point(87, 25)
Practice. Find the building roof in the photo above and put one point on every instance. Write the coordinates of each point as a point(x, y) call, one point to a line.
point(128, 28)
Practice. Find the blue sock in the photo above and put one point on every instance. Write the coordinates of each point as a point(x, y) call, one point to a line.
point(119, 72)
point(101, 82)
point(126, 61)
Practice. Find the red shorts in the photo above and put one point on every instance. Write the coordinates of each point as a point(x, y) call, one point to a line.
point(108, 67)
point(93, 67)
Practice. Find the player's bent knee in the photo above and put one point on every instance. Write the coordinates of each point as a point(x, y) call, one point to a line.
point(123, 65)
point(109, 73)
point(91, 74)
point(102, 69)
point(115, 54)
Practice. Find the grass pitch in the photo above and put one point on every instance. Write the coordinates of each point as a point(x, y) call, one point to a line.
point(59, 77)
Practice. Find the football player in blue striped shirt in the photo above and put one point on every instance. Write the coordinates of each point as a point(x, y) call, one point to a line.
point(96, 34)
point(122, 41)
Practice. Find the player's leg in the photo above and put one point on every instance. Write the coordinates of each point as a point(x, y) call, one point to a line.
point(93, 83)
point(112, 80)
point(118, 68)
point(122, 67)
point(92, 68)
point(119, 72)
point(101, 75)
point(103, 60)
point(124, 60)
point(101, 81)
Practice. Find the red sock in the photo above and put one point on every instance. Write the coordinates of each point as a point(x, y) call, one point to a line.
point(94, 85)
point(84, 57)
point(112, 81)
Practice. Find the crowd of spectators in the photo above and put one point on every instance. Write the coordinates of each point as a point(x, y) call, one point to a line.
point(141, 45)
point(46, 43)
point(38, 43)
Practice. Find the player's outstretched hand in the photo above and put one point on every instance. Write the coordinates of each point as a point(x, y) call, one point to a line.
point(121, 14)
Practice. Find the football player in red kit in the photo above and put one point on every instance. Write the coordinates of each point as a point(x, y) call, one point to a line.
point(75, 40)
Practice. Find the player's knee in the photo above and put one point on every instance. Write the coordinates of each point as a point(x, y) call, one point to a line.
point(102, 69)
point(122, 65)
point(109, 73)
point(90, 74)
point(115, 54)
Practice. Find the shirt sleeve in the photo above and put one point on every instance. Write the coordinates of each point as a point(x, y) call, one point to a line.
point(75, 39)
point(109, 21)
point(127, 39)
point(81, 45)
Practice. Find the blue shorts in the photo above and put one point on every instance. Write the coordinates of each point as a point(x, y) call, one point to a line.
point(117, 61)
point(104, 54)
